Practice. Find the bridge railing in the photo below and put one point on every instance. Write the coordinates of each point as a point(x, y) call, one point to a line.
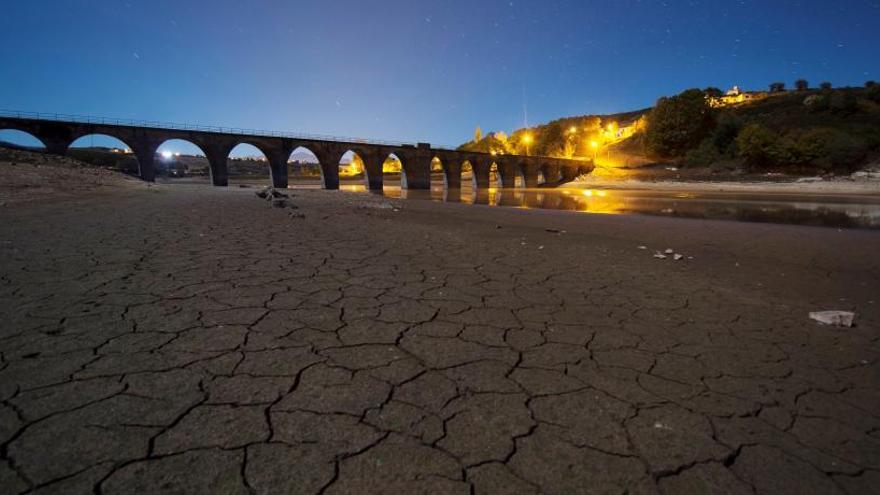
point(88, 119)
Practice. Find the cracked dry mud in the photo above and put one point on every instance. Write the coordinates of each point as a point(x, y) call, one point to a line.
point(186, 339)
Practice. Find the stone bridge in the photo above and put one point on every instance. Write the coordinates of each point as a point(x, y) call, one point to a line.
point(144, 139)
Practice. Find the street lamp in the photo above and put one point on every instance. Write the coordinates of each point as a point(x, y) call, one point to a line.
point(595, 146)
point(528, 140)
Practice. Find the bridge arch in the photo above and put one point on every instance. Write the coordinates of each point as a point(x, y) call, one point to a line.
point(103, 141)
point(21, 137)
point(247, 160)
point(120, 153)
point(168, 154)
point(447, 167)
point(395, 163)
point(303, 162)
point(437, 164)
point(358, 161)
point(467, 169)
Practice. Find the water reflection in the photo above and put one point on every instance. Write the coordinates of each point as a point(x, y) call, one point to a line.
point(829, 211)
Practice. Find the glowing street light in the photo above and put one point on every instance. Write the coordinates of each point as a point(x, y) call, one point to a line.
point(595, 146)
point(528, 140)
point(166, 155)
point(572, 129)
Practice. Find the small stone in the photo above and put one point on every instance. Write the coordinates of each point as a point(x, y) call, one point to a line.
point(660, 256)
point(669, 251)
point(834, 318)
point(643, 247)
point(677, 256)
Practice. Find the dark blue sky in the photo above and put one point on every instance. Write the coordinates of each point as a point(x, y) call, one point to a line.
point(408, 69)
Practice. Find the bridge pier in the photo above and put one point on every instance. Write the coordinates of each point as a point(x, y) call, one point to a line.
point(551, 173)
point(146, 157)
point(373, 171)
point(277, 157)
point(217, 156)
point(452, 174)
point(569, 173)
point(529, 174)
point(56, 146)
point(329, 169)
point(278, 171)
point(506, 173)
point(480, 170)
point(417, 168)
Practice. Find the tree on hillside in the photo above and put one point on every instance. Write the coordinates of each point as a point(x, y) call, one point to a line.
point(713, 92)
point(756, 145)
point(494, 142)
point(825, 85)
point(870, 84)
point(678, 124)
point(478, 134)
point(777, 87)
point(550, 141)
point(801, 85)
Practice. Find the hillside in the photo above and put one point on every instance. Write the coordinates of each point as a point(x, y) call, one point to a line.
point(798, 131)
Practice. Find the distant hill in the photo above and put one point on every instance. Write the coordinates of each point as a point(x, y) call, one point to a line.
point(804, 130)
point(13, 146)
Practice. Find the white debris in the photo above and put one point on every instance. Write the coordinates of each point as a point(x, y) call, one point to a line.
point(660, 256)
point(834, 318)
point(669, 251)
point(643, 247)
point(678, 256)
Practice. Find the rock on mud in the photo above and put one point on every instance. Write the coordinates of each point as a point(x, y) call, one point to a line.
point(834, 318)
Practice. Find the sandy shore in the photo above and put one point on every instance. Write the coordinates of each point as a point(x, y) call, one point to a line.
point(195, 339)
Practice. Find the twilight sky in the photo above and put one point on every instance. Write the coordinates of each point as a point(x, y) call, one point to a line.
point(409, 69)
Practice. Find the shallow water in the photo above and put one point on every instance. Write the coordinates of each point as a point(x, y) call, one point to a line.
point(840, 211)
point(826, 211)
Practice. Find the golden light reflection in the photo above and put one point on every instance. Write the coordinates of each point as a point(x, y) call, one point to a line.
point(601, 201)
